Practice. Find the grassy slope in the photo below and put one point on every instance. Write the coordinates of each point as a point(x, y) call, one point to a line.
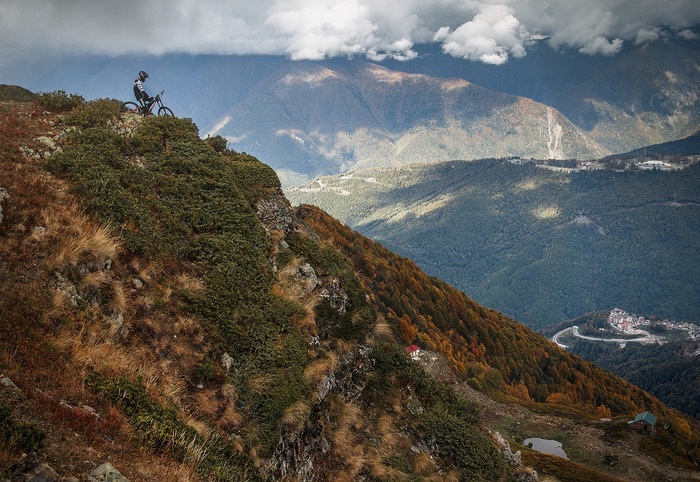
point(136, 263)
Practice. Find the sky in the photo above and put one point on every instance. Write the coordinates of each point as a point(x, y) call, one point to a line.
point(489, 31)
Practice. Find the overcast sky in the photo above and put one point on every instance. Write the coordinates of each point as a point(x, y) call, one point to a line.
point(489, 31)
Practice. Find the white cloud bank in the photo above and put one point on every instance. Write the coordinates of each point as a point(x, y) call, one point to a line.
point(490, 31)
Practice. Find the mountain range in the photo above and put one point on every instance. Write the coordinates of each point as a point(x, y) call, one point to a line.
point(311, 118)
point(164, 308)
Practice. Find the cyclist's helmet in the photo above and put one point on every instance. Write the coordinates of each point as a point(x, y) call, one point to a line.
point(143, 75)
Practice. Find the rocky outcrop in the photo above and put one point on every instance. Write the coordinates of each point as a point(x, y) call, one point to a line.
point(275, 212)
point(299, 446)
point(336, 296)
point(514, 460)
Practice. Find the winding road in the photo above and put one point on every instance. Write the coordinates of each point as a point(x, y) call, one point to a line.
point(647, 338)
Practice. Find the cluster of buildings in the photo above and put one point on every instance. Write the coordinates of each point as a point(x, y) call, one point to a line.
point(626, 322)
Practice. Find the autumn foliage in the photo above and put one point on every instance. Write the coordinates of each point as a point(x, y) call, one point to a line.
point(492, 351)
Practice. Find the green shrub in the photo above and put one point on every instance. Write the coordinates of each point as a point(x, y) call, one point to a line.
point(27, 437)
point(217, 142)
point(59, 100)
point(471, 450)
point(95, 113)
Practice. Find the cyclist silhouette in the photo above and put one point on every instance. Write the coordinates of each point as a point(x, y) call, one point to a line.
point(141, 95)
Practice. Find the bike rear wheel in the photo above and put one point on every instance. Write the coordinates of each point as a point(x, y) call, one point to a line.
point(166, 111)
point(132, 107)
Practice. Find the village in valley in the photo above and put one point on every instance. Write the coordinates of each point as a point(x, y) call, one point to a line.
point(622, 327)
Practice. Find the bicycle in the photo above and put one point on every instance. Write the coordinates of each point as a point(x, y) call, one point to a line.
point(135, 108)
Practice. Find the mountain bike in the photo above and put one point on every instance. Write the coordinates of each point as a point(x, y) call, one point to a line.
point(135, 108)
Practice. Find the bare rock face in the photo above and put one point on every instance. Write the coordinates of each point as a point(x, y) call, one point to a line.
point(3, 196)
point(336, 296)
point(276, 213)
point(306, 278)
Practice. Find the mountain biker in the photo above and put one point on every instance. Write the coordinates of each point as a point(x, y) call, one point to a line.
point(141, 95)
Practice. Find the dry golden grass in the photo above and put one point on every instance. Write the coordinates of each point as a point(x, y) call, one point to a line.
point(424, 463)
point(228, 391)
point(289, 282)
point(384, 472)
point(207, 403)
point(230, 418)
point(346, 420)
point(90, 244)
point(382, 330)
point(260, 383)
point(197, 424)
point(320, 369)
point(187, 326)
point(166, 295)
point(174, 388)
point(189, 283)
point(61, 304)
point(116, 304)
point(391, 438)
point(295, 416)
point(167, 470)
point(451, 476)
point(93, 282)
point(290, 286)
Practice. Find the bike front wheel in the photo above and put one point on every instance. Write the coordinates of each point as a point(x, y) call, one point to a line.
point(132, 107)
point(166, 111)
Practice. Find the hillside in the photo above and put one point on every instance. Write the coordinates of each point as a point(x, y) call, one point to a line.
point(539, 245)
point(163, 307)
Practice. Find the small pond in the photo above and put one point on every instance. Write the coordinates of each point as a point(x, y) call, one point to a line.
point(546, 446)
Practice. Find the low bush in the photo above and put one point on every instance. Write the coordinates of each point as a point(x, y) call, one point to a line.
point(27, 437)
point(95, 113)
point(59, 100)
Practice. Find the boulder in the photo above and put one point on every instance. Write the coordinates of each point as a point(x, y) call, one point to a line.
point(106, 473)
point(5, 382)
point(30, 469)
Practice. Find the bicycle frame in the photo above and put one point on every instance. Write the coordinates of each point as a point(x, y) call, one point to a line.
point(135, 108)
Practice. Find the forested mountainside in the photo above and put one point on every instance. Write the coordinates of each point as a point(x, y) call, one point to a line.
point(539, 245)
point(164, 308)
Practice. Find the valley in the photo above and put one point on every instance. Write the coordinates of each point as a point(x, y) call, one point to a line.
point(541, 245)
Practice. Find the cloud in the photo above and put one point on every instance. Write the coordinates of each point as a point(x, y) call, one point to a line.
point(688, 34)
point(489, 37)
point(648, 35)
point(316, 30)
point(490, 31)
